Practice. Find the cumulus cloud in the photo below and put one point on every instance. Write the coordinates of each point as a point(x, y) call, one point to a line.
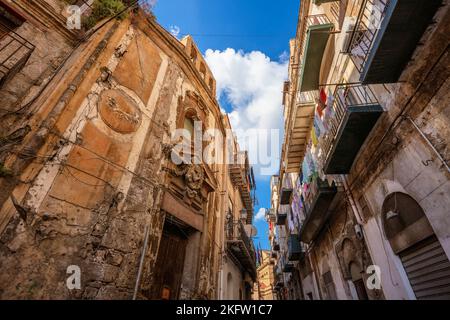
point(260, 215)
point(175, 30)
point(252, 84)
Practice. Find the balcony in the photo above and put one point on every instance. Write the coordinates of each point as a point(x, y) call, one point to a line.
point(242, 177)
point(295, 250)
point(279, 281)
point(386, 35)
point(356, 113)
point(14, 53)
point(286, 189)
point(275, 246)
point(318, 28)
point(319, 2)
point(282, 214)
point(270, 215)
point(287, 266)
point(241, 246)
point(318, 200)
point(302, 120)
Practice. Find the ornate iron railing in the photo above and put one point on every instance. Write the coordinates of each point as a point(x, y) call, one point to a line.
point(235, 231)
point(368, 23)
point(345, 96)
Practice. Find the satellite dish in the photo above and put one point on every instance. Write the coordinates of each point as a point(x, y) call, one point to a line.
point(250, 230)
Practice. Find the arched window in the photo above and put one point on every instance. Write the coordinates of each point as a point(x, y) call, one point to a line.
point(412, 238)
point(189, 126)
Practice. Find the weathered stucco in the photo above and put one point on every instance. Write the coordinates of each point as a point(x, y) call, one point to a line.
point(95, 168)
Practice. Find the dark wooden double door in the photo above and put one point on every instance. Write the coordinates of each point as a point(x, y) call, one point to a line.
point(169, 265)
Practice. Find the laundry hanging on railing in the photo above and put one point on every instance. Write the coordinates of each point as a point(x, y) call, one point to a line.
point(329, 113)
point(314, 139)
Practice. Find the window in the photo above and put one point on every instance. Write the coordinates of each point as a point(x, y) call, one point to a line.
point(14, 49)
point(211, 84)
point(358, 281)
point(329, 286)
point(193, 55)
point(203, 70)
point(189, 126)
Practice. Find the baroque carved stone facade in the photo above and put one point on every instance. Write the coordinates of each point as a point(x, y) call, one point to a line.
point(87, 176)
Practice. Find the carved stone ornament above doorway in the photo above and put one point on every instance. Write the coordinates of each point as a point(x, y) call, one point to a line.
point(194, 177)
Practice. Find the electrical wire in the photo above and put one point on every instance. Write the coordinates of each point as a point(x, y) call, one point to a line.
point(76, 46)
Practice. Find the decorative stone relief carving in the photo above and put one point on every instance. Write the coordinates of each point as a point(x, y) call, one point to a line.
point(119, 112)
point(194, 177)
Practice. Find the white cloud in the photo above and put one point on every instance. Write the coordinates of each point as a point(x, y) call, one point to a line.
point(260, 215)
point(253, 85)
point(175, 30)
point(284, 57)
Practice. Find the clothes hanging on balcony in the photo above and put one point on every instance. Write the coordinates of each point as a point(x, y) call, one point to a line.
point(318, 122)
point(323, 98)
point(314, 136)
point(329, 113)
point(291, 225)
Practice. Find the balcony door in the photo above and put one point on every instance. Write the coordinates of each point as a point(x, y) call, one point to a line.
point(169, 264)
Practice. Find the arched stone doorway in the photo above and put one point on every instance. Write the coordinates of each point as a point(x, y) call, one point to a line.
point(413, 240)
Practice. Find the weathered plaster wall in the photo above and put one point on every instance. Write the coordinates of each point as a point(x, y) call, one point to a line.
point(92, 198)
point(231, 289)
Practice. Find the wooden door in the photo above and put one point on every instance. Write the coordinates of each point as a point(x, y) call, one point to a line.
point(169, 266)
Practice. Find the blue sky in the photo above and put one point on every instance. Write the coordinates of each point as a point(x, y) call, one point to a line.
point(245, 43)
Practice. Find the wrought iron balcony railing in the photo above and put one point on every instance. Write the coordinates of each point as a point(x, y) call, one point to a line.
point(242, 176)
point(386, 35)
point(316, 187)
point(282, 214)
point(271, 215)
point(356, 110)
point(286, 189)
point(368, 23)
point(241, 244)
point(318, 199)
point(14, 53)
point(295, 248)
point(287, 266)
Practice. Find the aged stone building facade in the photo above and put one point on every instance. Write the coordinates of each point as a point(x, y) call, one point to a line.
point(360, 206)
point(265, 277)
point(88, 178)
point(238, 271)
